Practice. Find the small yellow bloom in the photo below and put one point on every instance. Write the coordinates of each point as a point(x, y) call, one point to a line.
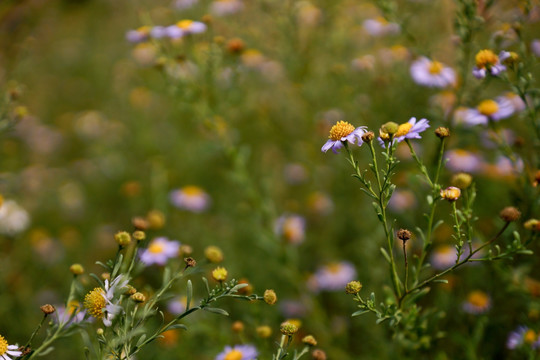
point(220, 274)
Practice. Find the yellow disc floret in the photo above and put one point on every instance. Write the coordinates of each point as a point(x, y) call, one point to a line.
point(94, 302)
point(234, 355)
point(155, 248)
point(530, 336)
point(488, 107)
point(486, 58)
point(3, 345)
point(435, 67)
point(192, 190)
point(478, 299)
point(184, 24)
point(220, 274)
point(403, 129)
point(340, 130)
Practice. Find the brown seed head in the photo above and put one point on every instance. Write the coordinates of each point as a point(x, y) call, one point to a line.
point(510, 214)
point(442, 132)
point(47, 309)
point(368, 136)
point(318, 354)
point(404, 234)
point(190, 262)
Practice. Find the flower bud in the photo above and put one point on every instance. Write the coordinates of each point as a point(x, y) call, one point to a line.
point(510, 214)
point(532, 224)
point(138, 297)
point(270, 297)
point(185, 250)
point(235, 46)
point(140, 223)
point(213, 254)
point(451, 193)
point(190, 262)
point(263, 331)
point(368, 136)
point(139, 235)
point(237, 327)
point(130, 290)
point(47, 309)
point(288, 328)
point(100, 331)
point(390, 128)
point(318, 355)
point(220, 274)
point(122, 238)
point(76, 269)
point(404, 235)
point(442, 132)
point(462, 180)
point(353, 287)
point(309, 340)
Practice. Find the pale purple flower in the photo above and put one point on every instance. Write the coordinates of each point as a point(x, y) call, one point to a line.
point(535, 47)
point(460, 160)
point(478, 302)
point(443, 256)
point(158, 32)
point(332, 277)
point(495, 110)
point(402, 200)
point(343, 132)
point(177, 305)
point(174, 32)
point(291, 227)
point(246, 352)
point(432, 73)
point(159, 251)
point(191, 27)
point(379, 27)
point(74, 315)
point(184, 4)
point(226, 7)
point(491, 69)
point(409, 130)
point(139, 35)
point(191, 198)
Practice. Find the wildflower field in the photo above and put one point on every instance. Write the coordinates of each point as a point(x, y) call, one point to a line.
point(269, 179)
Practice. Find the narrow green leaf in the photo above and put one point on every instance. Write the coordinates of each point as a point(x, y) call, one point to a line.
point(386, 256)
point(216, 311)
point(177, 326)
point(359, 312)
point(205, 280)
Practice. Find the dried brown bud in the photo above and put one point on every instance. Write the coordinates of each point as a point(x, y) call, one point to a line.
point(235, 46)
point(368, 136)
point(190, 262)
point(237, 327)
point(404, 234)
point(47, 309)
point(442, 132)
point(140, 223)
point(510, 214)
point(318, 354)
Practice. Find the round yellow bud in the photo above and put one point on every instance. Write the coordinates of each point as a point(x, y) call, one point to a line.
point(76, 269)
point(220, 274)
point(122, 238)
point(270, 297)
point(213, 254)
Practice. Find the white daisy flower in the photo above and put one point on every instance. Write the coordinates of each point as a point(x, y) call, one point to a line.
point(8, 351)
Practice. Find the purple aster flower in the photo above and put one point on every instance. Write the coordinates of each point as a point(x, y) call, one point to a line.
point(138, 35)
point(432, 73)
point(460, 160)
point(500, 108)
point(238, 352)
point(332, 277)
point(292, 228)
point(478, 302)
point(522, 335)
point(341, 132)
point(489, 63)
point(409, 130)
point(159, 251)
point(158, 32)
point(191, 198)
point(380, 27)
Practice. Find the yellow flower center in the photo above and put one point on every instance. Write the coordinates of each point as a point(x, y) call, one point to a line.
point(435, 67)
point(334, 268)
point(155, 248)
point(3, 345)
point(234, 355)
point(192, 190)
point(94, 302)
point(478, 299)
point(381, 20)
point(184, 24)
point(488, 107)
point(144, 30)
point(403, 129)
point(530, 336)
point(486, 58)
point(340, 130)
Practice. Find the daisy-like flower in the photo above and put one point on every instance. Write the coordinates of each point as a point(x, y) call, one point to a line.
point(380, 27)
point(184, 4)
point(402, 200)
point(138, 35)
point(522, 335)
point(431, 73)
point(495, 110)
point(443, 256)
point(489, 63)
point(191, 27)
point(7, 351)
point(101, 304)
point(292, 228)
point(14, 218)
point(478, 302)
point(191, 198)
point(238, 352)
point(226, 7)
point(341, 132)
point(332, 277)
point(158, 32)
point(460, 160)
point(409, 130)
point(159, 251)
